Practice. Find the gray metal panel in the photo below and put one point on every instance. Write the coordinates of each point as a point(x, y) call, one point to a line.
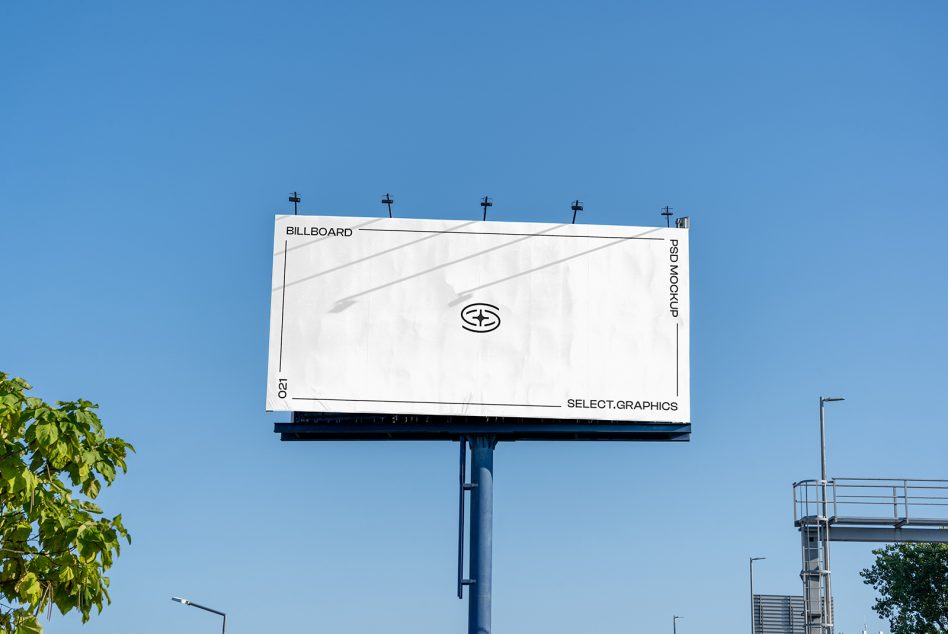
point(891, 535)
point(778, 614)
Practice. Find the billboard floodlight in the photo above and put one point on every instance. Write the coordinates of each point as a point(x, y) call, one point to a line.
point(387, 201)
point(485, 203)
point(295, 199)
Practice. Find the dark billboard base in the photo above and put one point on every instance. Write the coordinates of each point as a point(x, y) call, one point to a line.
point(319, 426)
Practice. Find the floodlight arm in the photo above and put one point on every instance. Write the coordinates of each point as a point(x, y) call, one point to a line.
point(205, 608)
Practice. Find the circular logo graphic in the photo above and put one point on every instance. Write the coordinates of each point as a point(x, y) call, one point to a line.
point(480, 317)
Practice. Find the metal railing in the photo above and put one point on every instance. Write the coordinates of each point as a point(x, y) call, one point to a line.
point(872, 501)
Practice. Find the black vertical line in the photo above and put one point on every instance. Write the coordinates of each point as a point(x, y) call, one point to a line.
point(463, 478)
point(283, 305)
point(676, 359)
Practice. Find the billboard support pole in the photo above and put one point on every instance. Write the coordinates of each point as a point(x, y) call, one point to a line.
point(482, 520)
point(463, 486)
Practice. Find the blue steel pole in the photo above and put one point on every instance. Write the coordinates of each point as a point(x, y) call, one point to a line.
point(482, 520)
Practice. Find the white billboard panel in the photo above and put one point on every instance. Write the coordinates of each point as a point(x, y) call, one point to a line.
point(470, 318)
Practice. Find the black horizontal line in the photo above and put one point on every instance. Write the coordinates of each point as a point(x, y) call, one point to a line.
point(373, 400)
point(494, 233)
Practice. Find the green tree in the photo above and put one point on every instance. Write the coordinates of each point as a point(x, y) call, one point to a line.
point(912, 582)
point(55, 545)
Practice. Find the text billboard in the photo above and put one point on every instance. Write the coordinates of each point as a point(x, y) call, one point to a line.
point(470, 318)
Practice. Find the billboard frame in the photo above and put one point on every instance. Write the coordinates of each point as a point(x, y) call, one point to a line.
point(318, 426)
point(572, 356)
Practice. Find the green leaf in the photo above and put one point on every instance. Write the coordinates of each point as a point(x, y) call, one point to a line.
point(25, 481)
point(92, 488)
point(46, 434)
point(40, 564)
point(28, 624)
point(92, 508)
point(107, 471)
point(21, 532)
point(29, 589)
point(10, 467)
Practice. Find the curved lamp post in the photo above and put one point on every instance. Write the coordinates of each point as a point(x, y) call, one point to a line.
point(205, 608)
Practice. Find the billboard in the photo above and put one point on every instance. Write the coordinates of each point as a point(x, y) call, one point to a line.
point(472, 318)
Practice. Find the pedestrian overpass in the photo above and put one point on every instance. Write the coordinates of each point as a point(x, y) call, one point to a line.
point(880, 510)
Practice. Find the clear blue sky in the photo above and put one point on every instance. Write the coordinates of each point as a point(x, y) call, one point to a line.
point(144, 148)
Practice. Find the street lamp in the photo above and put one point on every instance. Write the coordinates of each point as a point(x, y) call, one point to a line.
point(823, 401)
point(828, 598)
point(752, 560)
point(674, 624)
point(203, 607)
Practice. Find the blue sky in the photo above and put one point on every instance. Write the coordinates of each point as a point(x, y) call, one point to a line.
point(144, 148)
